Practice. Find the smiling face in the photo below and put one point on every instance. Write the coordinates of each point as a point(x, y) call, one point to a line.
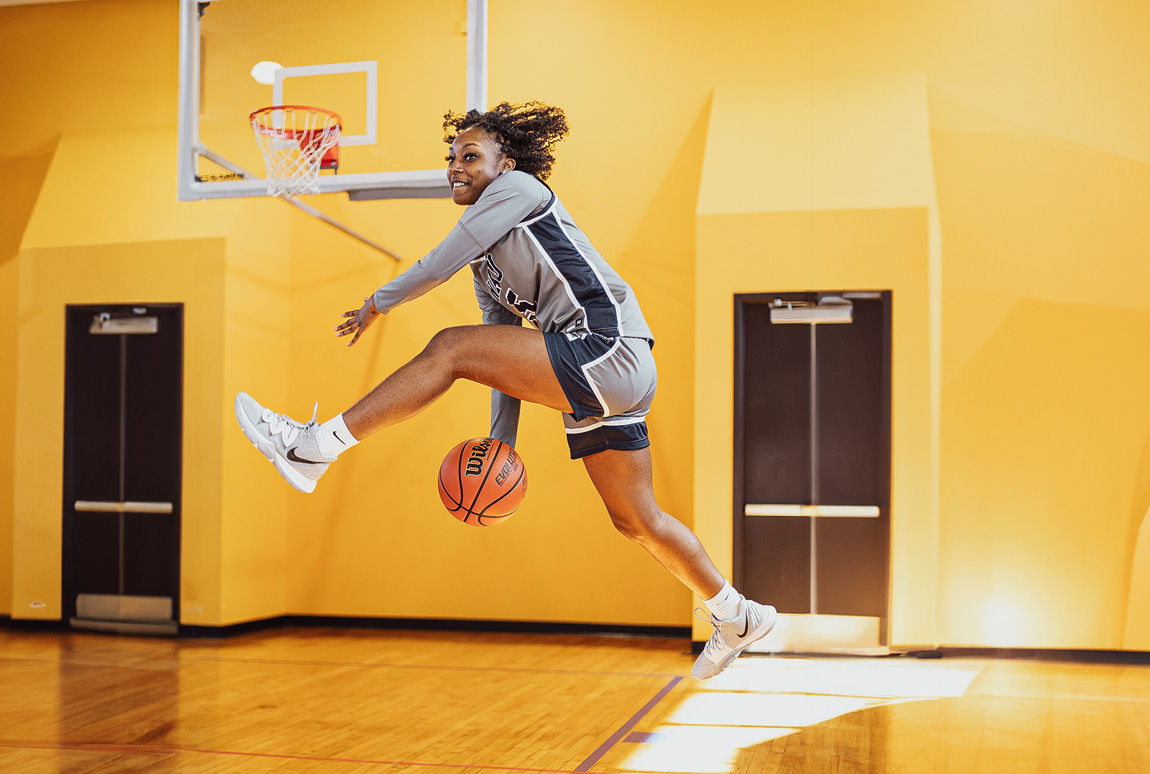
point(473, 162)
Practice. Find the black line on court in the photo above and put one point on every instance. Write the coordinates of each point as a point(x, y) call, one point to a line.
point(626, 727)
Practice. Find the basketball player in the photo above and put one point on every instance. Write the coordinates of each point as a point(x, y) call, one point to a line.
point(588, 354)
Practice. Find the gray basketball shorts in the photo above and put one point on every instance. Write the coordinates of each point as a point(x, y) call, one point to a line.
point(610, 383)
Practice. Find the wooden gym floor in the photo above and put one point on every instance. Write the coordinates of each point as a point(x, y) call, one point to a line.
point(329, 701)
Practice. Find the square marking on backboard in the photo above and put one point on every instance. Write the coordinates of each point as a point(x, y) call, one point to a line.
point(370, 68)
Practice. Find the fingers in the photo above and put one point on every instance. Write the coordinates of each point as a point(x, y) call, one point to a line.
point(347, 324)
point(353, 325)
point(358, 332)
point(349, 330)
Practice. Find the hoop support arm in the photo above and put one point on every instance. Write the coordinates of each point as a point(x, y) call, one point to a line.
point(296, 202)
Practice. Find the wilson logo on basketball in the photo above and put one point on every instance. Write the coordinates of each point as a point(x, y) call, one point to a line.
point(475, 461)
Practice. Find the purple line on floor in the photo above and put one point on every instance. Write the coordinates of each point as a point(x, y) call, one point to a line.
point(626, 727)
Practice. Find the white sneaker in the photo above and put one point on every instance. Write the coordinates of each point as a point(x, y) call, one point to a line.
point(292, 447)
point(730, 638)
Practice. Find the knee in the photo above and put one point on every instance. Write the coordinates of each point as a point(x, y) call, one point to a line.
point(443, 343)
point(637, 525)
point(446, 347)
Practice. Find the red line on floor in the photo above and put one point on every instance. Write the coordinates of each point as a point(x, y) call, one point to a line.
point(161, 750)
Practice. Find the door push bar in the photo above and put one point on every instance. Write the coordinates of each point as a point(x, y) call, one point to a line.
point(98, 506)
point(838, 511)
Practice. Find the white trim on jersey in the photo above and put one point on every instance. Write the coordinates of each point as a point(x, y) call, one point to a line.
point(550, 208)
point(551, 264)
point(606, 288)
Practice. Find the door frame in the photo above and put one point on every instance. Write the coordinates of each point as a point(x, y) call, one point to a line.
point(67, 581)
point(740, 302)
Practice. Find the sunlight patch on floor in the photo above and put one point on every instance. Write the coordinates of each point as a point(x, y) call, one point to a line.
point(702, 749)
point(758, 700)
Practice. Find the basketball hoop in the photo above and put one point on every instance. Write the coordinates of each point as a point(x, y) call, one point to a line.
point(296, 141)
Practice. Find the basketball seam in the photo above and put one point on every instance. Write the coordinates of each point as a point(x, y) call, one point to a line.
point(443, 491)
point(459, 472)
point(522, 472)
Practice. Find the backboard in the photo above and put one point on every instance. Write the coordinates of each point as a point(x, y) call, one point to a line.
point(349, 56)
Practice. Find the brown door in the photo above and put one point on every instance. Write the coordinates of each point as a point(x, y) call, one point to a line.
point(812, 464)
point(123, 421)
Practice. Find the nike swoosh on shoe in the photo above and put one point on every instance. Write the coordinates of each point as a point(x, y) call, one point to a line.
point(291, 455)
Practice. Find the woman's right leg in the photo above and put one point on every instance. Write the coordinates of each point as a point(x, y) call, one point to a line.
point(508, 358)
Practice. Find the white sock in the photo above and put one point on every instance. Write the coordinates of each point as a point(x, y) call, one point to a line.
point(725, 604)
point(334, 438)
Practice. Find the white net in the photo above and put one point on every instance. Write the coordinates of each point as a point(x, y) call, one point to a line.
point(294, 141)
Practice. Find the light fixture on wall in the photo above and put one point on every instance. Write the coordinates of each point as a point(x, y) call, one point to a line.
point(265, 72)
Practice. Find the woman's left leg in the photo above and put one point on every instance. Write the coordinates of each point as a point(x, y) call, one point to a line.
point(624, 481)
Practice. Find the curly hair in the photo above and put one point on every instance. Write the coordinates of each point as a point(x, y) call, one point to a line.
point(525, 132)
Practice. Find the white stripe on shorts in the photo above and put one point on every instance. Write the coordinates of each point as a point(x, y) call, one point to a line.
point(591, 382)
point(619, 421)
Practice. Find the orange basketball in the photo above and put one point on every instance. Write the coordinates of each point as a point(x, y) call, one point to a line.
point(482, 481)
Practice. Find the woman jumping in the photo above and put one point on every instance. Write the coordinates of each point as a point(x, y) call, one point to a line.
point(587, 356)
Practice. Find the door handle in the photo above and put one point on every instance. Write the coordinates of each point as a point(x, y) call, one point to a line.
point(99, 506)
point(822, 511)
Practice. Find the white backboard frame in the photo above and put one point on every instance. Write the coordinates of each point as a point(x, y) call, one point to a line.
point(415, 184)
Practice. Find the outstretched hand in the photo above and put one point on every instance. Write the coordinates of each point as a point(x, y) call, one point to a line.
point(360, 319)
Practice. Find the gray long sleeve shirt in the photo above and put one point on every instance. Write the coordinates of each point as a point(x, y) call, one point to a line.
point(530, 261)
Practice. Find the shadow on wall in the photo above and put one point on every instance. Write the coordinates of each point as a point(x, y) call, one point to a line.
point(23, 177)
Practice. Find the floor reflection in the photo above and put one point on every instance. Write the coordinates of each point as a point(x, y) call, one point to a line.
point(900, 715)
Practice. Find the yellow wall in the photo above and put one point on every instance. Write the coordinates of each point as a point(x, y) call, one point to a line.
point(1039, 150)
point(1045, 377)
point(22, 176)
point(8, 271)
point(257, 356)
point(836, 193)
point(1137, 634)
